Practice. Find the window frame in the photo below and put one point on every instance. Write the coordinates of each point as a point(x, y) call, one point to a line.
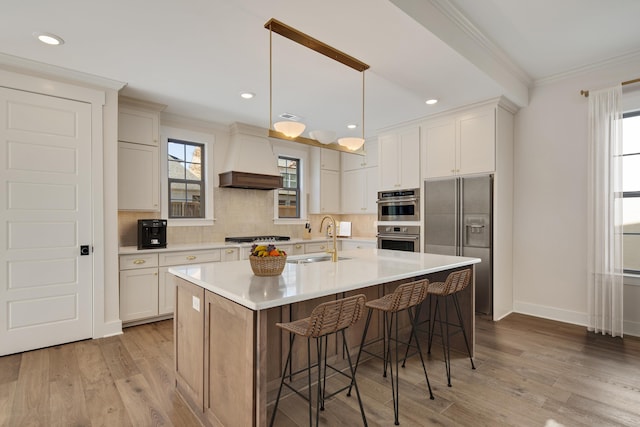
point(300, 152)
point(630, 194)
point(295, 189)
point(186, 181)
point(208, 141)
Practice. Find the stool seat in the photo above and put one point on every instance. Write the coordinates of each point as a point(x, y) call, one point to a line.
point(326, 319)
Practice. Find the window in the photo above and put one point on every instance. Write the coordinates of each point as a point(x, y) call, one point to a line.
point(631, 191)
point(289, 194)
point(186, 184)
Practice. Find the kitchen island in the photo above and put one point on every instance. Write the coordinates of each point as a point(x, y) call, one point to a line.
point(228, 351)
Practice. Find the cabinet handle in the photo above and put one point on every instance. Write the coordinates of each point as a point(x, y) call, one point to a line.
point(322, 247)
point(230, 251)
point(298, 246)
point(155, 274)
point(191, 257)
point(139, 261)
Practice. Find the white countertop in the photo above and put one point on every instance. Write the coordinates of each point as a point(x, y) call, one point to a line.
point(299, 282)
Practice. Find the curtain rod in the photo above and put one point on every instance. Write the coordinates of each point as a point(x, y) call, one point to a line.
point(585, 93)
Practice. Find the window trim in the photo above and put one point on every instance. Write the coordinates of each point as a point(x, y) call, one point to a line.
point(208, 140)
point(296, 188)
point(203, 187)
point(630, 194)
point(288, 149)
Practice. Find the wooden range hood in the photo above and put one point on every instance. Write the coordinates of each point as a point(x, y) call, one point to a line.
point(256, 181)
point(250, 161)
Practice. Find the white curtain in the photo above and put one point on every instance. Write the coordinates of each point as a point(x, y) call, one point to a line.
point(605, 270)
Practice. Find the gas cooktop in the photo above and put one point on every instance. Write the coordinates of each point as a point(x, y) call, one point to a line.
point(250, 239)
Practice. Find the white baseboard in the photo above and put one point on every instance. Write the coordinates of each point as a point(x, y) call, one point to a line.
point(110, 329)
point(573, 317)
point(551, 313)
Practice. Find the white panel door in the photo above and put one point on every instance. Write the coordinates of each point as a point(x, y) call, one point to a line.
point(45, 216)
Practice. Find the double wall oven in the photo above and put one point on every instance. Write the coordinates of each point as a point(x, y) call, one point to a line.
point(399, 220)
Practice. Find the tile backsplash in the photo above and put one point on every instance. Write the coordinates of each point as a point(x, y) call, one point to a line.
point(239, 212)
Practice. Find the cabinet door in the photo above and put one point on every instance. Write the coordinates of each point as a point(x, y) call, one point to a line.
point(310, 248)
point(329, 159)
point(409, 158)
point(138, 177)
point(351, 161)
point(166, 291)
point(138, 294)
point(188, 341)
point(370, 190)
point(477, 142)
point(329, 191)
point(371, 153)
point(439, 142)
point(140, 127)
point(353, 189)
point(388, 164)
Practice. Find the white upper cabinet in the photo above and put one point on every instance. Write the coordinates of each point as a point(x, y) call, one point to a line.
point(460, 144)
point(360, 181)
point(324, 191)
point(399, 159)
point(138, 126)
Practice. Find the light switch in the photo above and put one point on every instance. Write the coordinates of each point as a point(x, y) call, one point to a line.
point(196, 303)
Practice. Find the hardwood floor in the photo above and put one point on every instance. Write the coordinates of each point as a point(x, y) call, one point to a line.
point(528, 370)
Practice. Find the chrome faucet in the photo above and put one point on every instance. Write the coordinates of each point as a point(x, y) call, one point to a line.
point(334, 251)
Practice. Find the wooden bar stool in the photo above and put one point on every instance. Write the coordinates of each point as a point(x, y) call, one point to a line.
point(455, 282)
point(325, 319)
point(404, 298)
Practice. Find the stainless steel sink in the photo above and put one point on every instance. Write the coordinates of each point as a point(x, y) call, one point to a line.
point(308, 260)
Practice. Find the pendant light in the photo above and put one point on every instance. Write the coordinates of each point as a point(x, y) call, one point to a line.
point(292, 130)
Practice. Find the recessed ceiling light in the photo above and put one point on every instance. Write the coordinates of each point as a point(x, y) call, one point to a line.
point(247, 95)
point(48, 38)
point(431, 101)
point(352, 126)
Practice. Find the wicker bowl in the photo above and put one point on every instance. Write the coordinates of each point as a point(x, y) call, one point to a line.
point(268, 265)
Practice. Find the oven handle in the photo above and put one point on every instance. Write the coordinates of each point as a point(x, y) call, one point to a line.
point(396, 237)
point(396, 201)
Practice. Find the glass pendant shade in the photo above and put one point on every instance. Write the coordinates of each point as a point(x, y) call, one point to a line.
point(323, 136)
point(290, 129)
point(352, 143)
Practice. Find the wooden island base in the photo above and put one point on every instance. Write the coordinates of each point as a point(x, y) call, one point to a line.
point(228, 358)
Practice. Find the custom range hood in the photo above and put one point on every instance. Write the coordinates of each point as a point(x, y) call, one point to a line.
point(250, 161)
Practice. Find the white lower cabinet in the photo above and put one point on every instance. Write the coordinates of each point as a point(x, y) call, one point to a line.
point(138, 293)
point(147, 289)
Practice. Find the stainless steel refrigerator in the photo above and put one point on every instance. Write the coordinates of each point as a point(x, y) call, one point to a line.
point(458, 221)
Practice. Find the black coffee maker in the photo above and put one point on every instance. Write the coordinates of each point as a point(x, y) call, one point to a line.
point(152, 233)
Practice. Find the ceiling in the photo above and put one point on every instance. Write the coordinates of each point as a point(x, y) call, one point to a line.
point(197, 56)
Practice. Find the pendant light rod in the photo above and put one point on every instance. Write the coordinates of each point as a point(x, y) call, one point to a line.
point(316, 45)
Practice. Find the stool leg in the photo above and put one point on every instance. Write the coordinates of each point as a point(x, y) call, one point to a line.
point(447, 346)
point(353, 377)
point(395, 392)
point(324, 368)
point(464, 334)
point(364, 336)
point(433, 322)
point(319, 397)
point(284, 374)
point(309, 379)
point(414, 325)
point(414, 322)
point(388, 322)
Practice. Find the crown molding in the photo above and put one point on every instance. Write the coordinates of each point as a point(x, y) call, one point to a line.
point(40, 69)
point(463, 23)
point(579, 71)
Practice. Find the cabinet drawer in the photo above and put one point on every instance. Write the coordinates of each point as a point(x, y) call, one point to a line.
point(315, 247)
point(190, 257)
point(230, 254)
point(129, 262)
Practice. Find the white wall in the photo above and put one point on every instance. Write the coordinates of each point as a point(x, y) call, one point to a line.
point(550, 177)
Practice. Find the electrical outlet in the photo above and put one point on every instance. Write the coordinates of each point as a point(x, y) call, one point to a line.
point(196, 303)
